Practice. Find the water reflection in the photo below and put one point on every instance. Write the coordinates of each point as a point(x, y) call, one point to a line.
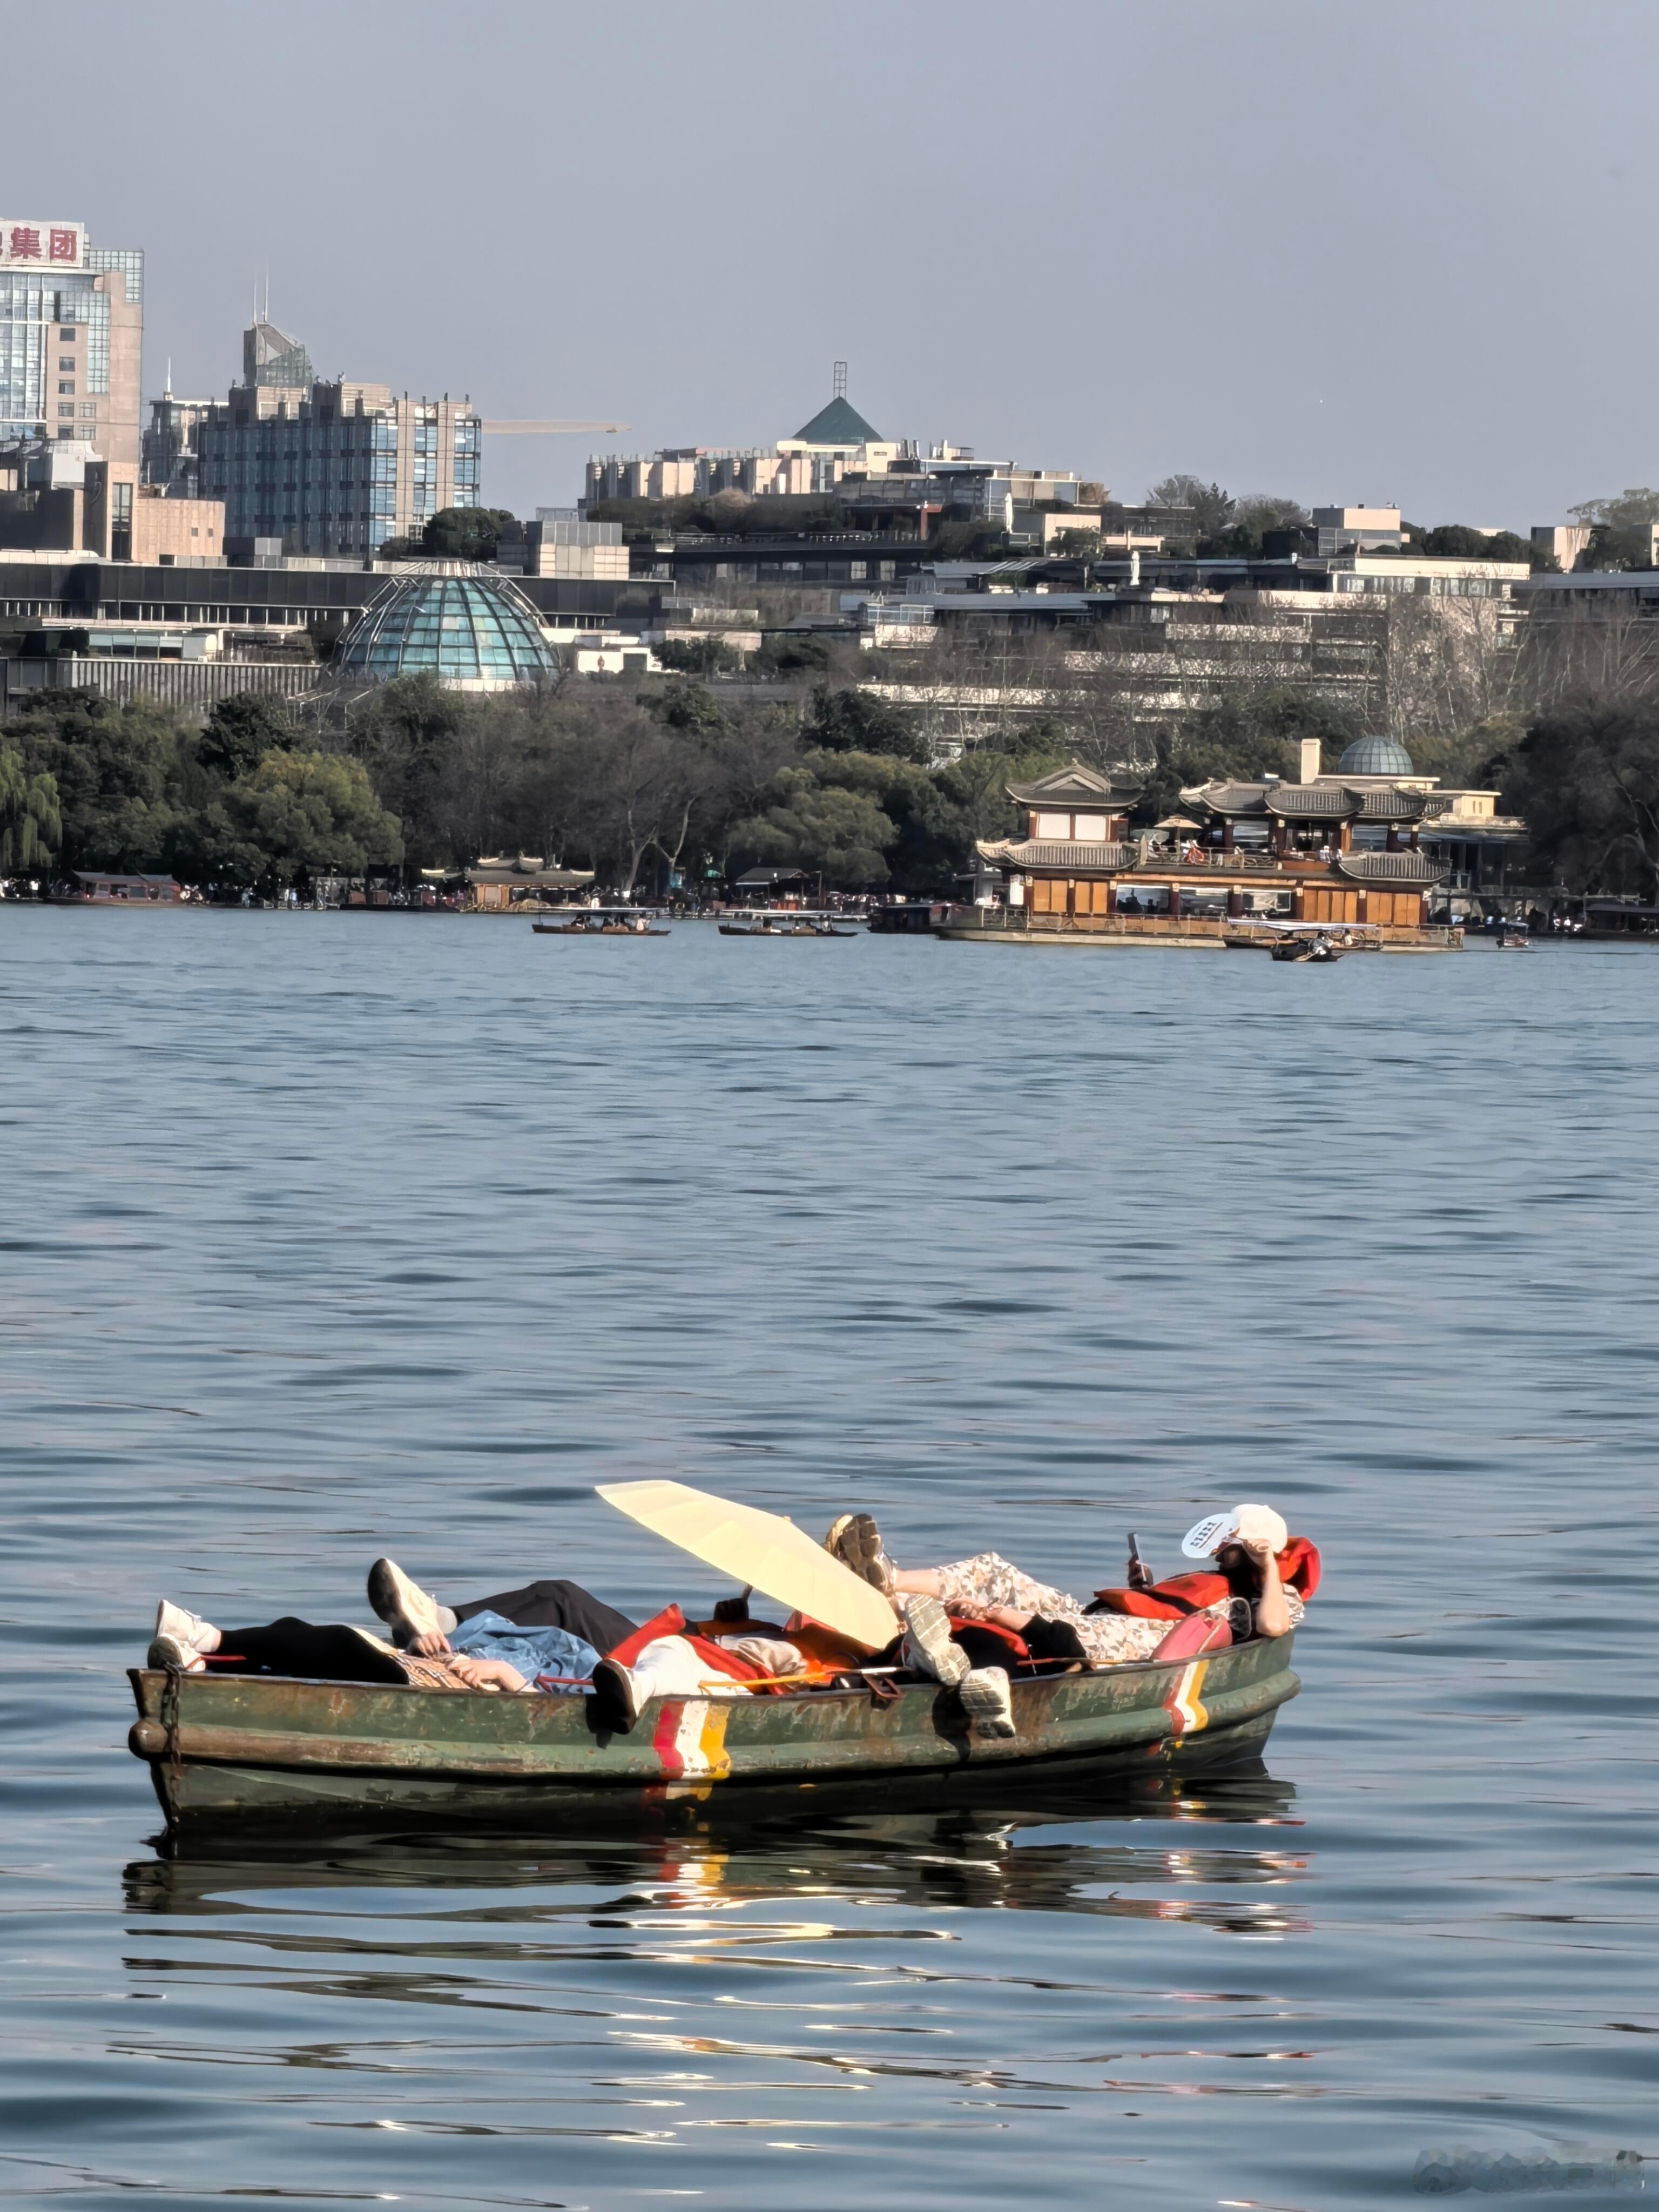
point(1012, 1850)
point(801, 1976)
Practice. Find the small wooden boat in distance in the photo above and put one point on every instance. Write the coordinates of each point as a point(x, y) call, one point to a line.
point(784, 921)
point(1317, 941)
point(604, 921)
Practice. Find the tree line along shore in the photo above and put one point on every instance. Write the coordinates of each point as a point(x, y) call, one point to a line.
point(689, 783)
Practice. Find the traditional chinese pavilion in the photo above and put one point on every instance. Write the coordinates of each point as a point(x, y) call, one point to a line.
point(1322, 850)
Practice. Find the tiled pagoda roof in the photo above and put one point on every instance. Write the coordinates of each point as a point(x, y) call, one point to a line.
point(1404, 868)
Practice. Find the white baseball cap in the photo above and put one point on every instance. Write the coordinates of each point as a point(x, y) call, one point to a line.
point(1260, 1523)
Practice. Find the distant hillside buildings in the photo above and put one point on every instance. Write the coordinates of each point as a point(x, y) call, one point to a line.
point(880, 484)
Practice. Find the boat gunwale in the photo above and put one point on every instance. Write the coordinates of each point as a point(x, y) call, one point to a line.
point(819, 1695)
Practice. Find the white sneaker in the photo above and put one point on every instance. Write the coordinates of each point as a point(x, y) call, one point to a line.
point(928, 1642)
point(984, 1693)
point(178, 1657)
point(407, 1610)
point(190, 1630)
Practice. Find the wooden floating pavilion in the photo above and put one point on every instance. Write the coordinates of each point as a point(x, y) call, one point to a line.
point(1078, 874)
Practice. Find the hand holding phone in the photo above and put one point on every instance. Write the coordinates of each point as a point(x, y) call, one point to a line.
point(1141, 1575)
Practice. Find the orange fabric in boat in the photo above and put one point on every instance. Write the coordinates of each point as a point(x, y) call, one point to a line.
point(1298, 1566)
point(1018, 1650)
point(825, 1652)
point(1179, 1594)
point(1173, 1599)
point(671, 1621)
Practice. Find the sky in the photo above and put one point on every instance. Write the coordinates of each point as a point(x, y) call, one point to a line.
point(1397, 253)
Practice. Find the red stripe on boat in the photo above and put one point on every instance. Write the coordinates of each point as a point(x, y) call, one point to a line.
point(665, 1742)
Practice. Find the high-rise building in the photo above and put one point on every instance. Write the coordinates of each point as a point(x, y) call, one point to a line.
point(330, 467)
point(71, 331)
point(172, 450)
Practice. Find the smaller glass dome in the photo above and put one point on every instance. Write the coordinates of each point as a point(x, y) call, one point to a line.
point(475, 631)
point(1376, 756)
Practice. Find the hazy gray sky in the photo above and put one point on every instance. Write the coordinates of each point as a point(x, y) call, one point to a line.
point(1387, 253)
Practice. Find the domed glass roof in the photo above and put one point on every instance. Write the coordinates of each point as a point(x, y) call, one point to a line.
point(1376, 756)
point(475, 631)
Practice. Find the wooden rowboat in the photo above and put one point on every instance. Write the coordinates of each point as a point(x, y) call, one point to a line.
point(604, 921)
point(230, 1747)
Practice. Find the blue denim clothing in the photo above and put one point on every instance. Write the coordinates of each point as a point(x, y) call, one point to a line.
point(534, 1651)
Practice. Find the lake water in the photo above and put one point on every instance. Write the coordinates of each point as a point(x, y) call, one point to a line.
point(324, 1236)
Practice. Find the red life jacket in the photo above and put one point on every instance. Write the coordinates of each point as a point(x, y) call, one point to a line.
point(1018, 1649)
point(1180, 1595)
point(1298, 1566)
point(1172, 1599)
point(671, 1621)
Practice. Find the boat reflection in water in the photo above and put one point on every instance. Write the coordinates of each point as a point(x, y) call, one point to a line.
point(592, 2009)
point(1013, 1845)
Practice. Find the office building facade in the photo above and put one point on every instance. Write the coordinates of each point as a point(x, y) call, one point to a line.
point(172, 443)
point(71, 333)
point(334, 467)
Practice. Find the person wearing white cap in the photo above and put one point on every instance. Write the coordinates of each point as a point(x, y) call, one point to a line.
point(1245, 1545)
point(991, 1589)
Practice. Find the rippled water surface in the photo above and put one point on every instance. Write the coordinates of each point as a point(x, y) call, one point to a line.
point(328, 1235)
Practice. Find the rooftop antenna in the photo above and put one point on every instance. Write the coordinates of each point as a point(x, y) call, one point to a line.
point(839, 380)
point(167, 394)
point(267, 291)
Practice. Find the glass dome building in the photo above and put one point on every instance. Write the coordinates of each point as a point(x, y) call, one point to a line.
point(1376, 756)
point(473, 630)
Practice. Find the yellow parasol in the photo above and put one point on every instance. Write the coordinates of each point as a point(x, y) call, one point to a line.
point(765, 1550)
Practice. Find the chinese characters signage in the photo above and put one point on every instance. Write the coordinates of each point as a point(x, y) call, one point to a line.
point(29, 244)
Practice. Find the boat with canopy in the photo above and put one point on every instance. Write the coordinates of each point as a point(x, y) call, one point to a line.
point(786, 921)
point(605, 922)
point(1318, 941)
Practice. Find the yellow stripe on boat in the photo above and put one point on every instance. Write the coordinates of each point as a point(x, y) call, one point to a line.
point(1185, 1710)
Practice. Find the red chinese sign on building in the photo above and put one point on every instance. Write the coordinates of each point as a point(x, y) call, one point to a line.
point(41, 245)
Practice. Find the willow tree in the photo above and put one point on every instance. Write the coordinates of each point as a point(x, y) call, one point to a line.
point(31, 828)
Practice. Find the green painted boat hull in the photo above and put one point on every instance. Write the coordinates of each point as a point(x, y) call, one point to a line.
point(224, 1748)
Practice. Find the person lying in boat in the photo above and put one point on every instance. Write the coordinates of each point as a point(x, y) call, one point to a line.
point(490, 1654)
point(533, 1639)
point(1247, 1545)
point(728, 1655)
point(418, 1621)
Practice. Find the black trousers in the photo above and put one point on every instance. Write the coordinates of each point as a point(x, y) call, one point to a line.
point(290, 1646)
point(557, 1605)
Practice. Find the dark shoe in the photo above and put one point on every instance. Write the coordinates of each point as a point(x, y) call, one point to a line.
point(404, 1605)
point(614, 1706)
point(855, 1541)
